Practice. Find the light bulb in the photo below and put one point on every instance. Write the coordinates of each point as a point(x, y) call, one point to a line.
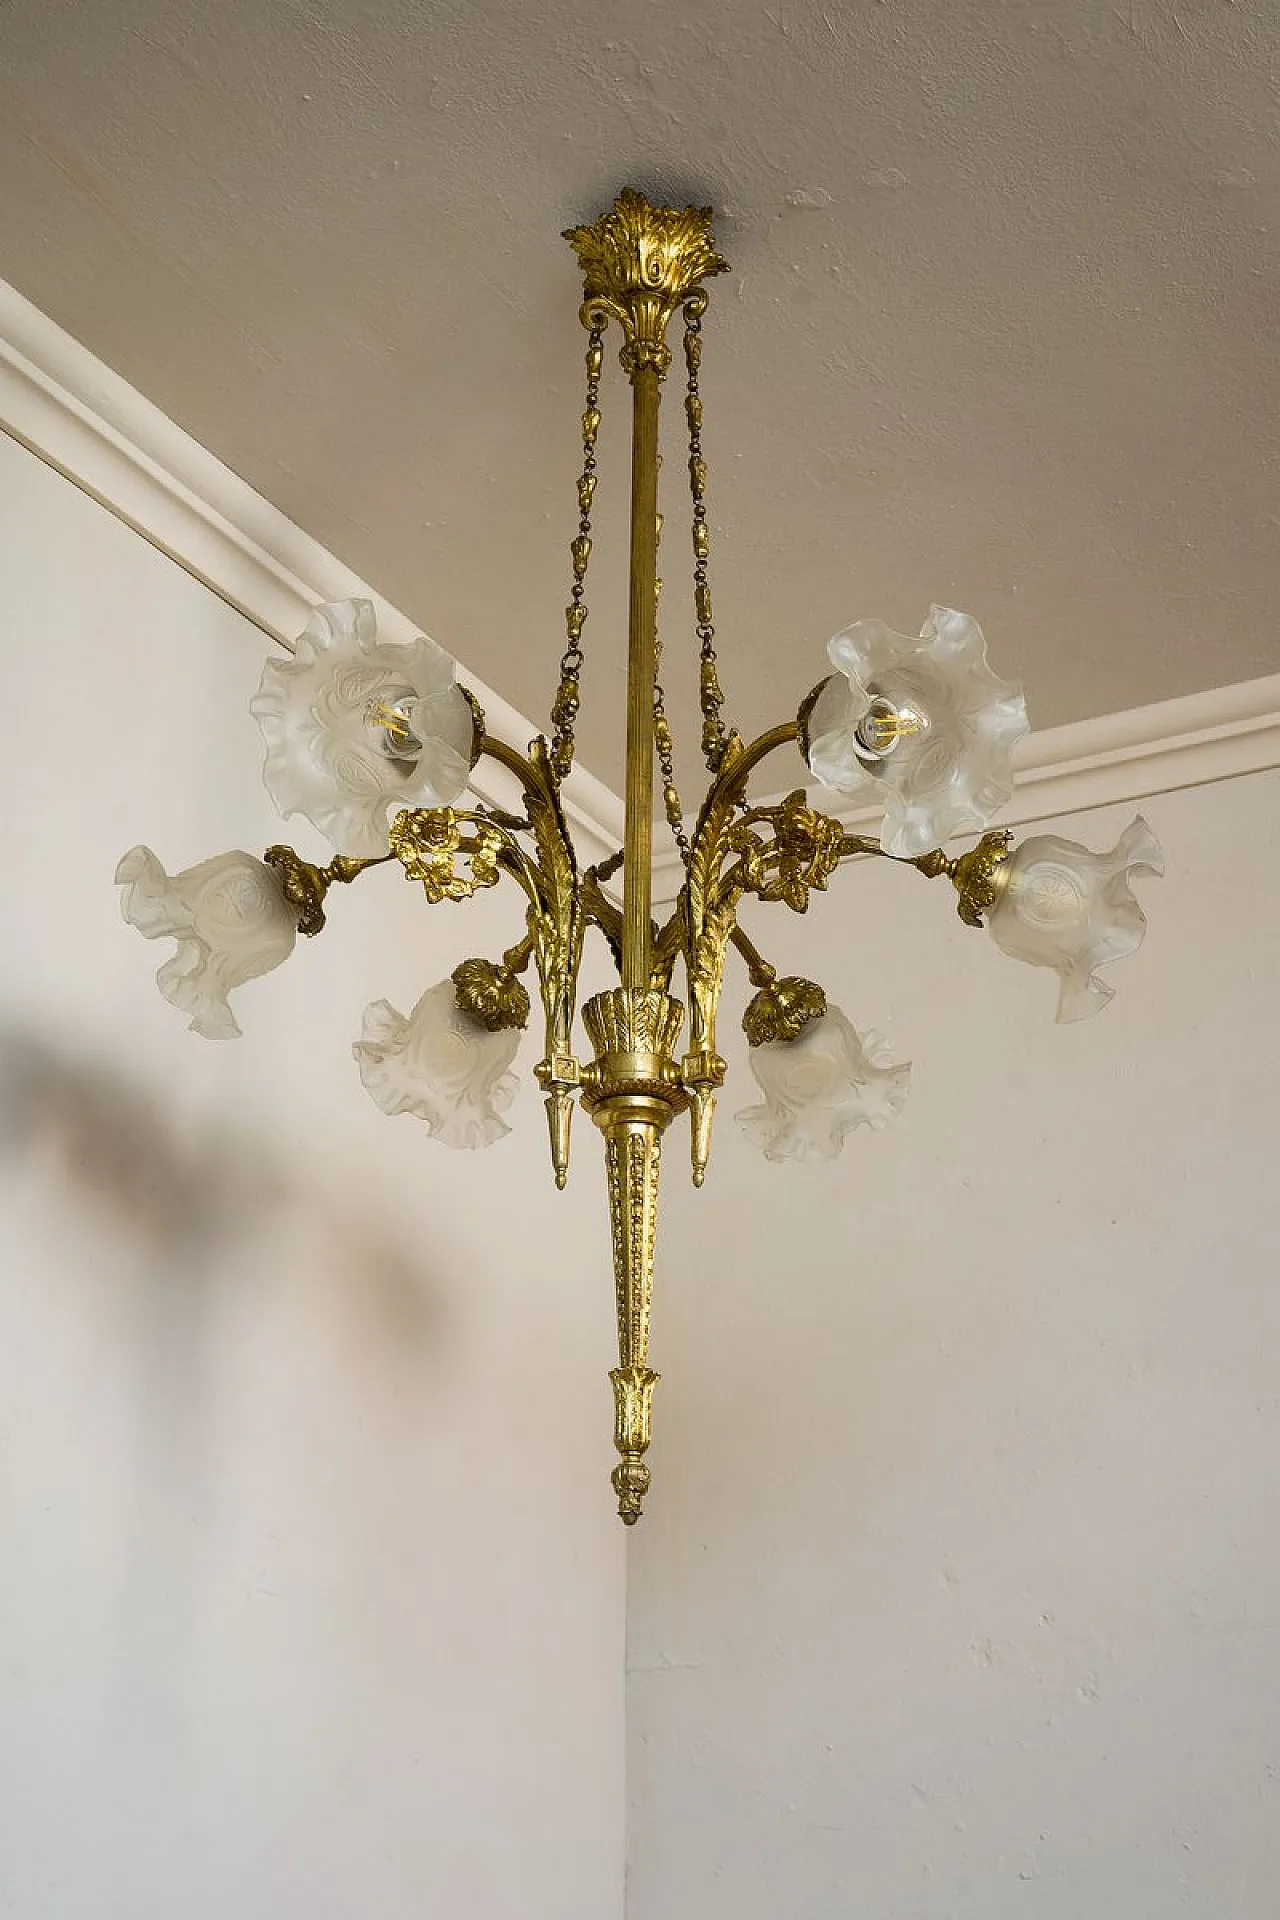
point(885, 723)
point(392, 718)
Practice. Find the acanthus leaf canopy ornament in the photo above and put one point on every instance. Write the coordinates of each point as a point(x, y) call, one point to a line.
point(375, 745)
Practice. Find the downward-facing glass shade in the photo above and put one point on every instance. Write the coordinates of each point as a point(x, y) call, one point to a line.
point(1064, 907)
point(820, 1086)
point(355, 728)
point(230, 920)
point(440, 1065)
point(922, 727)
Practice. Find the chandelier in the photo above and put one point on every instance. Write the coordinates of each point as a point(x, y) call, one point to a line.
point(375, 744)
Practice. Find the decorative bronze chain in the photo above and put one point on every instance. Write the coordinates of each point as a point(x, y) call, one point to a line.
point(564, 710)
point(711, 699)
point(710, 696)
point(662, 741)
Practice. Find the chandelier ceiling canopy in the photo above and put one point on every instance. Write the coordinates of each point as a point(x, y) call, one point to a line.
point(374, 745)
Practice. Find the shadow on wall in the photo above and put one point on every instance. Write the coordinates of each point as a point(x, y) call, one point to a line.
point(186, 1196)
point(203, 1343)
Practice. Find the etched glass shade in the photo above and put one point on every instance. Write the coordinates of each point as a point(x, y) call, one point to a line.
point(440, 1065)
point(1062, 906)
point(355, 728)
point(819, 1087)
point(231, 922)
point(922, 727)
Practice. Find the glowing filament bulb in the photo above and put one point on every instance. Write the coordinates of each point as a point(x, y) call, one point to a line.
point(392, 717)
point(884, 724)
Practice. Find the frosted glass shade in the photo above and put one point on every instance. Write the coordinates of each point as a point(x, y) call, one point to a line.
point(1062, 906)
point(231, 922)
point(355, 728)
point(440, 1065)
point(819, 1087)
point(922, 727)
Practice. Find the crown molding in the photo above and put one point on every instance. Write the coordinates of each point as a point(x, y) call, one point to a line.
point(79, 417)
point(75, 414)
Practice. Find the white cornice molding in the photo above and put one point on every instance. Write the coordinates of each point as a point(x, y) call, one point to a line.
point(82, 419)
point(89, 424)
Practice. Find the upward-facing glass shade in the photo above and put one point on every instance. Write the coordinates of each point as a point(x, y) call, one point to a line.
point(355, 728)
point(921, 726)
point(231, 922)
point(1064, 907)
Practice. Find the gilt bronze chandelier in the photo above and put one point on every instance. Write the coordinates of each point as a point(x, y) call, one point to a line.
point(375, 743)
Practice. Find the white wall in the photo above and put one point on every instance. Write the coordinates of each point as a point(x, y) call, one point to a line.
point(957, 1593)
point(312, 1591)
point(958, 1597)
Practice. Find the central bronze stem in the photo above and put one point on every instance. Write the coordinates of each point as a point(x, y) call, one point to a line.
point(640, 263)
point(637, 880)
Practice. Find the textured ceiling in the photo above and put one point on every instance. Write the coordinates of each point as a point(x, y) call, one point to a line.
point(1001, 329)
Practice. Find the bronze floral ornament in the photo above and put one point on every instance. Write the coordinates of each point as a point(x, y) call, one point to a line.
point(492, 994)
point(428, 846)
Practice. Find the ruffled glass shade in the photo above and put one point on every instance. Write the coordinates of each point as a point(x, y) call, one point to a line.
point(819, 1087)
point(355, 728)
point(922, 727)
point(231, 922)
point(441, 1065)
point(1062, 906)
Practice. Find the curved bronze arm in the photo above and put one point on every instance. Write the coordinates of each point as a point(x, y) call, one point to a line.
point(739, 767)
point(510, 758)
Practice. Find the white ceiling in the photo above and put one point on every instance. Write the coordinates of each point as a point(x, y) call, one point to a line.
point(1001, 329)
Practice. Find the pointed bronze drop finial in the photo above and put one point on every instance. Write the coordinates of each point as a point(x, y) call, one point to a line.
point(632, 1091)
point(639, 264)
point(559, 1106)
